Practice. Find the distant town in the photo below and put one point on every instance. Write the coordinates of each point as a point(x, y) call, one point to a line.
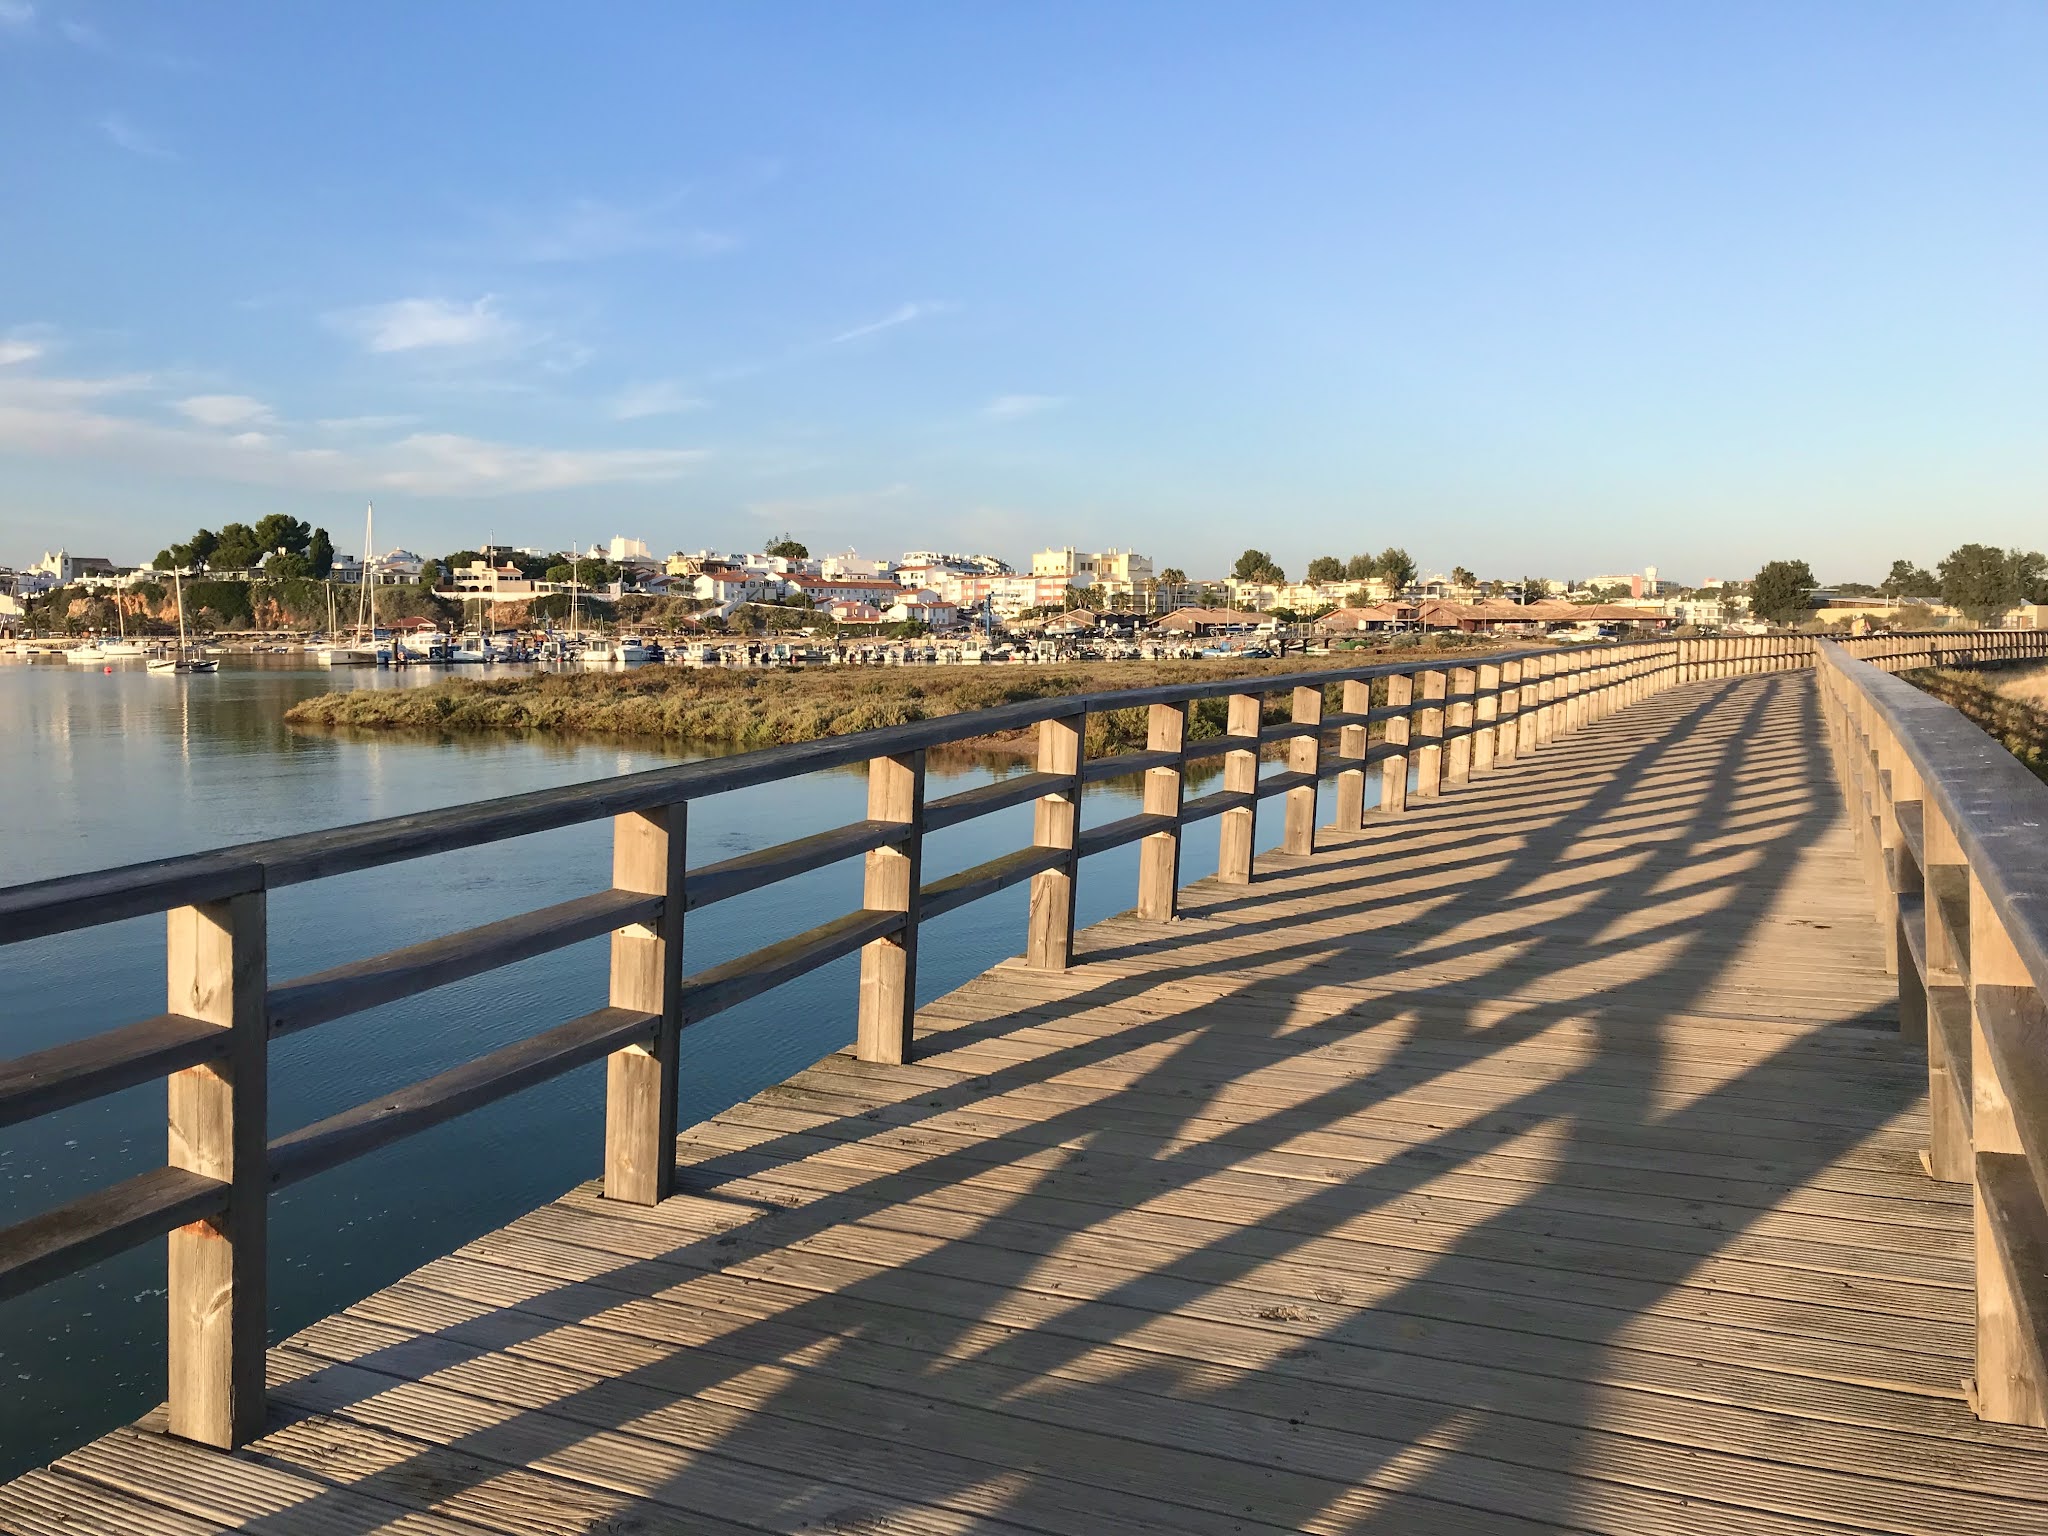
point(279, 561)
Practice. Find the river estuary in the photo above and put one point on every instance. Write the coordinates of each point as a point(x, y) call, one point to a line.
point(103, 768)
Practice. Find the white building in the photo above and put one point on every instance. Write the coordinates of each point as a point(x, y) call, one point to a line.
point(1122, 566)
point(958, 565)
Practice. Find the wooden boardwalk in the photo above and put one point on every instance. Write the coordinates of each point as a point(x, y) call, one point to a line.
point(1542, 1159)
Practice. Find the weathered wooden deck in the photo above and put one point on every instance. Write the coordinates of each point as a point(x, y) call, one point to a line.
point(1544, 1158)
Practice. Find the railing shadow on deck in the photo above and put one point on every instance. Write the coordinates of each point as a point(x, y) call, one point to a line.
point(1437, 1390)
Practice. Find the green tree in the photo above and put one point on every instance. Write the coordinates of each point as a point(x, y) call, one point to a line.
point(237, 548)
point(1981, 580)
point(596, 573)
point(1854, 589)
point(783, 547)
point(559, 574)
point(320, 555)
point(1393, 566)
point(281, 532)
point(430, 574)
point(286, 566)
point(1909, 580)
point(1358, 568)
point(1533, 588)
point(2030, 574)
point(1257, 565)
point(1173, 576)
point(1326, 568)
point(1782, 591)
point(1461, 577)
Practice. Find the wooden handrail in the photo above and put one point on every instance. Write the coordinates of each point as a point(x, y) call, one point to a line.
point(1953, 831)
point(1454, 721)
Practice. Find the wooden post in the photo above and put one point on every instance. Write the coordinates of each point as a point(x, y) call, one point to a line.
point(1429, 737)
point(218, 971)
point(1304, 755)
point(1394, 770)
point(647, 976)
point(1240, 776)
point(1546, 699)
point(1056, 823)
point(888, 965)
point(1507, 732)
point(1159, 852)
point(1948, 1132)
point(1528, 707)
point(1458, 754)
point(2009, 1389)
point(1486, 715)
point(1351, 748)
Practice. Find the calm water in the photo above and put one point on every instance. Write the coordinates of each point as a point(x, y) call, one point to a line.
point(103, 768)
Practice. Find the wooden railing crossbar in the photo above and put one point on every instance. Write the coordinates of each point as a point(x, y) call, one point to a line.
point(1444, 723)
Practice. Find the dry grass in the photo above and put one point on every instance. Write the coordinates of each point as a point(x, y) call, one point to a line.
point(769, 708)
point(2012, 706)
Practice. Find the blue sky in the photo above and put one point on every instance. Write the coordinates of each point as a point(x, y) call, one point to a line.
point(1547, 289)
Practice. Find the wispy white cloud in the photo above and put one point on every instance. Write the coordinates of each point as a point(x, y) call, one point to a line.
point(17, 15)
point(125, 135)
point(902, 314)
point(77, 418)
point(411, 325)
point(225, 410)
point(14, 350)
point(349, 424)
point(82, 33)
point(591, 229)
point(656, 397)
point(1015, 407)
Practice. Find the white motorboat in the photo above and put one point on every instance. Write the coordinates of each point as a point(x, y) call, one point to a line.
point(626, 650)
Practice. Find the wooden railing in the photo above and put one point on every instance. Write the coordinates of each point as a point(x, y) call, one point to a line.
point(1442, 721)
point(1953, 831)
point(1449, 718)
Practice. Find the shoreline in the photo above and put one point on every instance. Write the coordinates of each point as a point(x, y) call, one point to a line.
point(752, 709)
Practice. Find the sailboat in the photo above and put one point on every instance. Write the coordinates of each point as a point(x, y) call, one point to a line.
point(363, 653)
point(186, 659)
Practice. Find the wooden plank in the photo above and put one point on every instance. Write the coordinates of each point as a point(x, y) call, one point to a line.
point(1125, 829)
point(942, 896)
point(508, 1070)
point(1126, 765)
point(417, 968)
point(965, 805)
point(751, 871)
point(719, 987)
point(78, 1071)
point(106, 1222)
